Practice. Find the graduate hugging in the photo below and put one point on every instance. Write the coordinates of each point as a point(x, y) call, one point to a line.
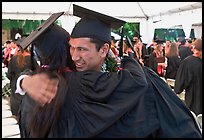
point(70, 97)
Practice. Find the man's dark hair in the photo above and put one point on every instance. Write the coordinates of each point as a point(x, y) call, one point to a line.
point(98, 43)
point(8, 42)
point(183, 42)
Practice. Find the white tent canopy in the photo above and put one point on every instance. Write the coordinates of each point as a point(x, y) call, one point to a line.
point(151, 15)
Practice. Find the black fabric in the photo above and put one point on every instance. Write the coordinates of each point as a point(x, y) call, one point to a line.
point(175, 118)
point(50, 40)
point(41, 29)
point(94, 25)
point(159, 41)
point(13, 73)
point(152, 62)
point(184, 51)
point(134, 102)
point(173, 63)
point(189, 77)
point(27, 105)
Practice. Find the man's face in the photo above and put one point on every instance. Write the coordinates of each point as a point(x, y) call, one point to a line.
point(85, 55)
point(168, 43)
point(135, 38)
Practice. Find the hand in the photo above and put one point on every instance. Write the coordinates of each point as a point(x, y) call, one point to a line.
point(141, 61)
point(40, 88)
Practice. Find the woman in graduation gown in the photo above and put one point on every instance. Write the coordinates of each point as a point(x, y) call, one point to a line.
point(173, 61)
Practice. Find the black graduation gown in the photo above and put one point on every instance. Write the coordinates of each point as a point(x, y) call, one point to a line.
point(93, 97)
point(189, 77)
point(173, 64)
point(123, 104)
point(158, 114)
point(184, 52)
point(13, 73)
point(152, 62)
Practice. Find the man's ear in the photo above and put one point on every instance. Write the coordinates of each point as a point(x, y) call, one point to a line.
point(104, 50)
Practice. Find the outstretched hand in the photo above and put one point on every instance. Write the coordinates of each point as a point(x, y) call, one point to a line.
point(40, 88)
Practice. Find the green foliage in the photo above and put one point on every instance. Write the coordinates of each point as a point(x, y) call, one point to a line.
point(129, 29)
point(170, 34)
point(26, 25)
point(111, 65)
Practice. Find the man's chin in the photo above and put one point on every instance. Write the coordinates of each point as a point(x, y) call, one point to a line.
point(80, 69)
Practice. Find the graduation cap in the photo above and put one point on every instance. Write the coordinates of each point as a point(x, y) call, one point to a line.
point(181, 35)
point(46, 37)
point(159, 41)
point(18, 42)
point(94, 25)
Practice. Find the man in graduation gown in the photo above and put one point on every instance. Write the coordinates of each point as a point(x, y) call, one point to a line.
point(122, 104)
point(189, 77)
point(184, 51)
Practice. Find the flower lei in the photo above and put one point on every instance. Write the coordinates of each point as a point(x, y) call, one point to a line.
point(110, 65)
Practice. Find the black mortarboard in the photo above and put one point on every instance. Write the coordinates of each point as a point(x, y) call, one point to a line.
point(181, 35)
point(47, 36)
point(40, 30)
point(159, 41)
point(94, 24)
point(17, 42)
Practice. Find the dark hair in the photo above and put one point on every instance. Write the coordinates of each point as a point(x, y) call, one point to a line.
point(46, 118)
point(183, 42)
point(189, 41)
point(8, 42)
point(99, 43)
point(60, 58)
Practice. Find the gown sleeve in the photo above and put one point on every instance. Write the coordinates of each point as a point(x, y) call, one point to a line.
point(183, 78)
point(96, 100)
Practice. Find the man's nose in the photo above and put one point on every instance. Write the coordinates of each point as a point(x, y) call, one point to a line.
point(75, 55)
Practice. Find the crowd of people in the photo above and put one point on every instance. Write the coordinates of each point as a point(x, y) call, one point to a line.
point(68, 94)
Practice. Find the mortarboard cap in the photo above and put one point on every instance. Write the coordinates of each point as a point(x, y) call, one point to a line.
point(46, 37)
point(94, 25)
point(181, 35)
point(159, 41)
point(18, 42)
